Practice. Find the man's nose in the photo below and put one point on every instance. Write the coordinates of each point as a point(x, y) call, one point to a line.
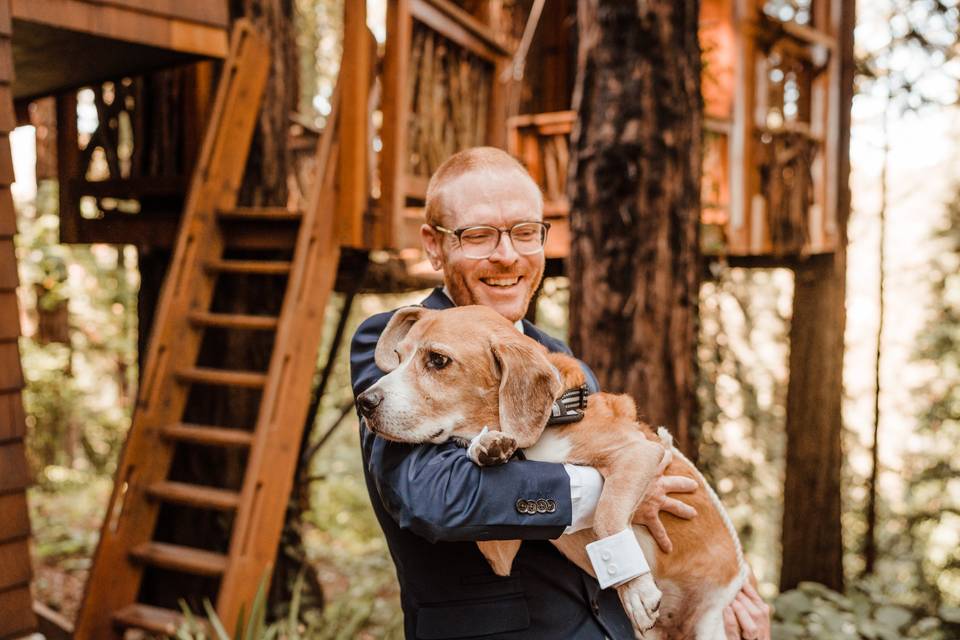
point(505, 251)
point(368, 401)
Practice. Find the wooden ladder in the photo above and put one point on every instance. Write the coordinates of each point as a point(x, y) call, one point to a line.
point(143, 485)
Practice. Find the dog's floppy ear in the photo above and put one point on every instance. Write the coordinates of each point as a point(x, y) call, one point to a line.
point(528, 386)
point(385, 354)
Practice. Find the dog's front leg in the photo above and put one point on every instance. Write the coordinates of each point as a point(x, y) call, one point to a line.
point(623, 488)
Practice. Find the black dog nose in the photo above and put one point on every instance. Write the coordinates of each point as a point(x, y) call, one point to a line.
point(368, 401)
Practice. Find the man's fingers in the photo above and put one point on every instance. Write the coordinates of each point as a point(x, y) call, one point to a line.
point(751, 607)
point(678, 508)
point(660, 535)
point(730, 626)
point(748, 628)
point(752, 594)
point(678, 484)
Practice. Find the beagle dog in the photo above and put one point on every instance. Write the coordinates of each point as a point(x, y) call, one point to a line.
point(450, 373)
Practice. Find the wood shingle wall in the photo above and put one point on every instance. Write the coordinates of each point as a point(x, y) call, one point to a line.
point(16, 614)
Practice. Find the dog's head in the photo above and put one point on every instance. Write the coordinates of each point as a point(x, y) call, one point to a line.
point(452, 372)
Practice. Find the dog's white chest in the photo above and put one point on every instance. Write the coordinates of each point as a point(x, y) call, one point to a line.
point(551, 447)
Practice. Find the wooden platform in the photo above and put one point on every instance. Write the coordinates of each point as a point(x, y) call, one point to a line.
point(106, 39)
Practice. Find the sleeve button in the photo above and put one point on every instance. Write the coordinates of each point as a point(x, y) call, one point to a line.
point(551, 506)
point(541, 506)
point(521, 505)
point(612, 569)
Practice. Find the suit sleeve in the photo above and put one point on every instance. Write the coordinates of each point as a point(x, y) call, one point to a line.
point(437, 492)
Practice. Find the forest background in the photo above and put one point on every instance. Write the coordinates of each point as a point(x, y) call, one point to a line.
point(905, 165)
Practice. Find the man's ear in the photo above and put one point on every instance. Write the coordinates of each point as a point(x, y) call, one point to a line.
point(528, 386)
point(385, 354)
point(431, 245)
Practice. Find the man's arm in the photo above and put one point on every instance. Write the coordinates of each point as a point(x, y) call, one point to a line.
point(440, 494)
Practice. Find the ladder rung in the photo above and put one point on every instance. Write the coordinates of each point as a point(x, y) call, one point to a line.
point(153, 619)
point(194, 495)
point(211, 436)
point(179, 558)
point(232, 320)
point(261, 213)
point(224, 377)
point(260, 267)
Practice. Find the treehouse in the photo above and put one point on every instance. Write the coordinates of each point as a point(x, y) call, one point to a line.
point(449, 76)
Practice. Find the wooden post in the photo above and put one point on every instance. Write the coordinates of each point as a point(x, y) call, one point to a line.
point(396, 108)
point(68, 165)
point(353, 189)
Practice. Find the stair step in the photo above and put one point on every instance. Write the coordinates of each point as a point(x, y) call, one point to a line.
point(194, 495)
point(233, 320)
point(258, 267)
point(211, 436)
point(278, 214)
point(152, 619)
point(179, 558)
point(224, 377)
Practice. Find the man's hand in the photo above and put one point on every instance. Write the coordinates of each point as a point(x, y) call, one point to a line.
point(748, 616)
point(656, 500)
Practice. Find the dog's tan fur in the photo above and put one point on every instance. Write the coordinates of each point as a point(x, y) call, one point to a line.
point(499, 378)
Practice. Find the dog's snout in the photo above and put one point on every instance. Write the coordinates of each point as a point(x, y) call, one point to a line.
point(368, 401)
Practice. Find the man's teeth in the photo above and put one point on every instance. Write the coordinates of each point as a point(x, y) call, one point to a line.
point(501, 282)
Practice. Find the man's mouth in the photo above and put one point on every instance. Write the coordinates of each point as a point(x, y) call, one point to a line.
point(501, 281)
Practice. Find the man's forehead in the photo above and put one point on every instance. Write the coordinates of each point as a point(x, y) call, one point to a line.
point(495, 194)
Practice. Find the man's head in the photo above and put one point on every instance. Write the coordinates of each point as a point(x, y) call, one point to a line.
point(483, 186)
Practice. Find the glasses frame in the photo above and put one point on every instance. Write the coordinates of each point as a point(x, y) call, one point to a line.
point(458, 232)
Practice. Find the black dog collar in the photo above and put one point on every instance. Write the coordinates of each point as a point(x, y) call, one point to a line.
point(569, 407)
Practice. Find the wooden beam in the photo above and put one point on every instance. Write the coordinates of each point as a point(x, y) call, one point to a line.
point(459, 26)
point(125, 23)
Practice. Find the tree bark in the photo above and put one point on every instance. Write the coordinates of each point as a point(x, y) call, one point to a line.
point(635, 176)
point(812, 541)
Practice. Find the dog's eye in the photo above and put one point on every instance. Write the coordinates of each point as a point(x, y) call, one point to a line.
point(437, 360)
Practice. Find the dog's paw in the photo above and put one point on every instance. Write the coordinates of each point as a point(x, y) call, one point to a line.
point(491, 448)
point(641, 601)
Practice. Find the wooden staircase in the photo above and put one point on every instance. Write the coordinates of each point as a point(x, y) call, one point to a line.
point(128, 544)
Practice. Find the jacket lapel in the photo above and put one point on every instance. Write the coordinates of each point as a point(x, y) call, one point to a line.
point(437, 300)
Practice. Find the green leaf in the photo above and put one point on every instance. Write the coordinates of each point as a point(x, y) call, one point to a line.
point(950, 615)
point(215, 621)
point(790, 606)
point(893, 616)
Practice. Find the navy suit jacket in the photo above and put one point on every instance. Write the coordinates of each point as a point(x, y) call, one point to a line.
point(433, 502)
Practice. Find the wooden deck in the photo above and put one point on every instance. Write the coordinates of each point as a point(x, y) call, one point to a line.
point(16, 613)
point(106, 39)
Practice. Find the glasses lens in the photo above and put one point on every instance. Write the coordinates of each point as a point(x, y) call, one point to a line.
point(528, 237)
point(479, 242)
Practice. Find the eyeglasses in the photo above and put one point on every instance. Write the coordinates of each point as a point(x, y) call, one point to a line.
point(481, 241)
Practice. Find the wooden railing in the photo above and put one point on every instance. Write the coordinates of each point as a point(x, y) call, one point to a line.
point(441, 93)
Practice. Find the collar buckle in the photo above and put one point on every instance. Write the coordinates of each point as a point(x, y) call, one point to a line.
point(569, 407)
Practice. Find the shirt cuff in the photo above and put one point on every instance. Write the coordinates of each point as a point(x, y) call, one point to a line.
point(586, 483)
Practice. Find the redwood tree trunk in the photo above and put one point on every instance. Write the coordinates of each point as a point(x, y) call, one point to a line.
point(812, 542)
point(634, 261)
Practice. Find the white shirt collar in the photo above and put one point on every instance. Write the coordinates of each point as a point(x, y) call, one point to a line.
point(518, 324)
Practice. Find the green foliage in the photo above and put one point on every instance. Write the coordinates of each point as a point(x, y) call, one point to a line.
point(78, 394)
point(813, 611)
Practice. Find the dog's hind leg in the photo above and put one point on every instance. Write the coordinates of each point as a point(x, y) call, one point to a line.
point(500, 554)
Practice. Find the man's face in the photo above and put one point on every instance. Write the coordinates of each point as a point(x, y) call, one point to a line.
point(506, 281)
